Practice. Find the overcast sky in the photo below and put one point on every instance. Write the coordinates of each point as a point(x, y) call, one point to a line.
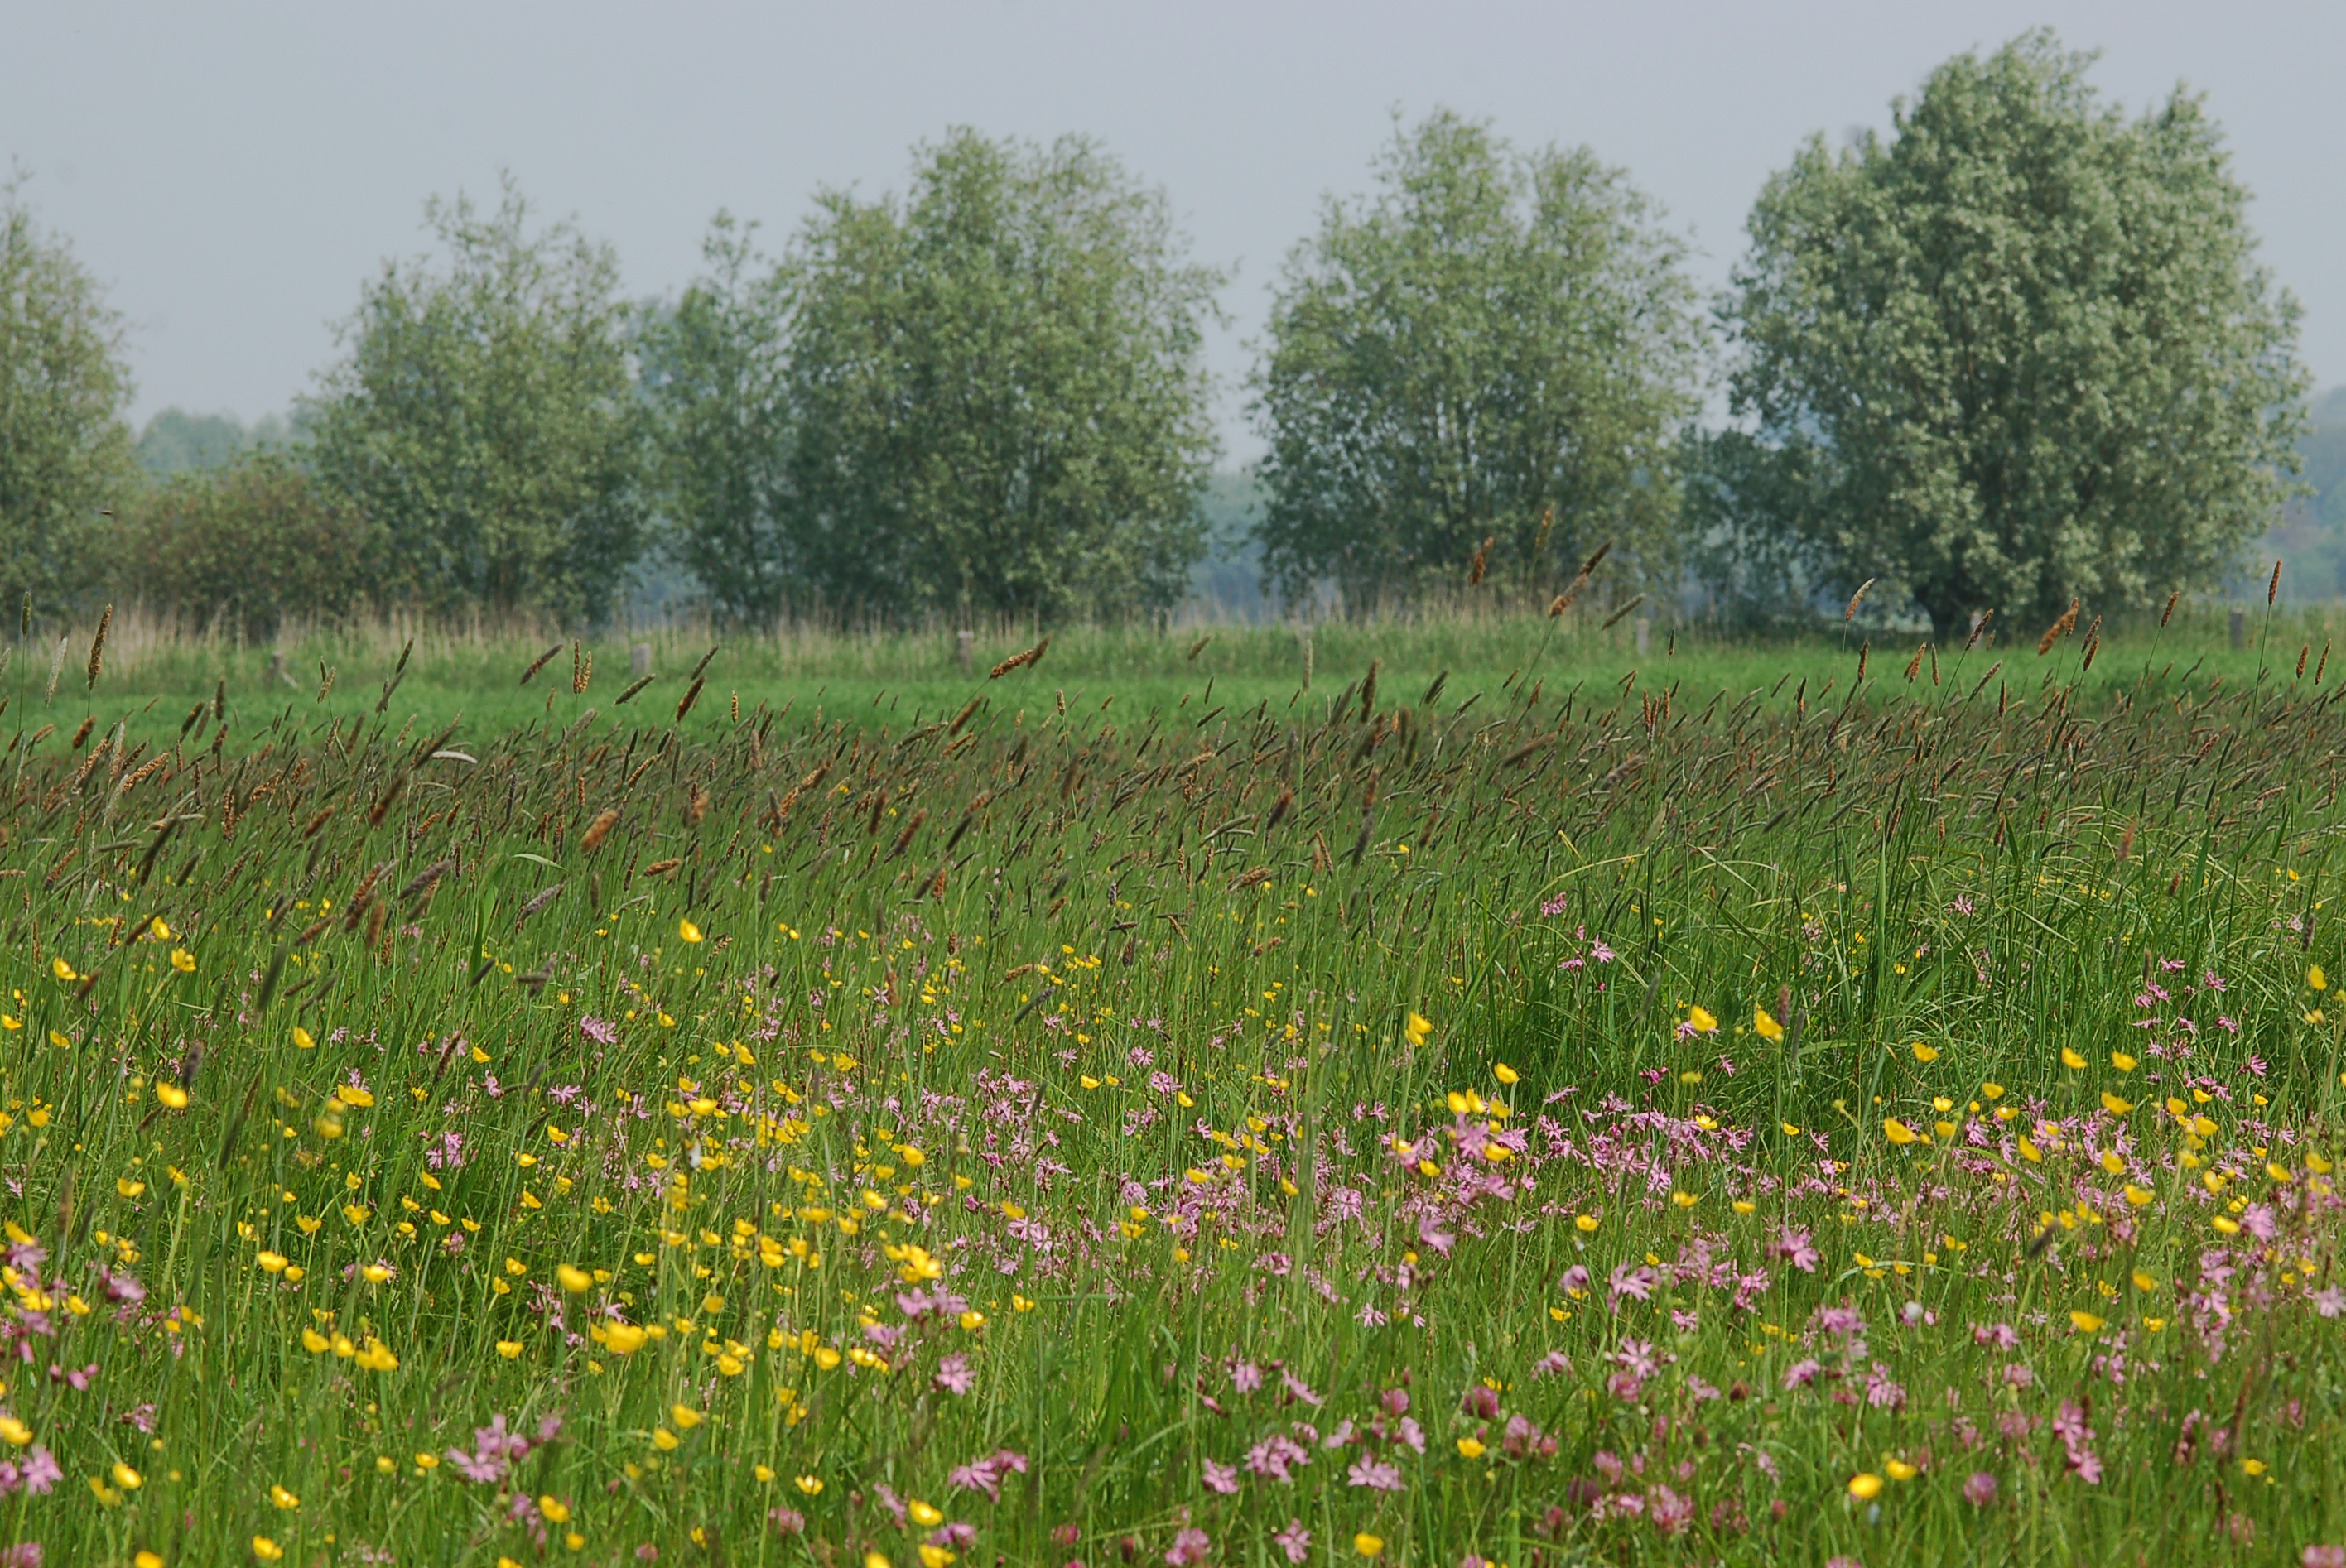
point(237, 170)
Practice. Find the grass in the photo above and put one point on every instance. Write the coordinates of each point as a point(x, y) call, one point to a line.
point(1727, 1117)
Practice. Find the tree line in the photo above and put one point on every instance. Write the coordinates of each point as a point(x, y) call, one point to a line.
point(2016, 353)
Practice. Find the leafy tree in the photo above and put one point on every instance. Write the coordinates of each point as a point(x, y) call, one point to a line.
point(251, 543)
point(176, 441)
point(997, 384)
point(1487, 336)
point(717, 370)
point(486, 419)
point(2017, 353)
point(65, 448)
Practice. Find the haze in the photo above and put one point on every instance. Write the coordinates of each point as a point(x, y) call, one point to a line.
point(236, 170)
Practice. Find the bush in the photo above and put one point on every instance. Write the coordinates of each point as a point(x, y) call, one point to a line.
point(245, 546)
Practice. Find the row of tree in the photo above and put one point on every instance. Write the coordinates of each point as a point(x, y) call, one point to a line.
point(2016, 352)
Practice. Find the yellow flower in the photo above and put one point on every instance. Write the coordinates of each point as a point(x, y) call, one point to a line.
point(553, 1511)
point(876, 1560)
point(2137, 1195)
point(2253, 1466)
point(15, 1431)
point(763, 1472)
point(1764, 1024)
point(2114, 1106)
point(2071, 1060)
point(934, 1556)
point(923, 1515)
point(2143, 1281)
point(1704, 1024)
point(62, 969)
point(1865, 1486)
point(302, 1040)
point(183, 961)
point(1504, 1073)
point(1586, 1222)
point(509, 1348)
point(148, 1560)
point(1469, 1449)
point(1368, 1545)
point(2229, 1227)
point(317, 1344)
point(1418, 1027)
point(2123, 1063)
point(2086, 1322)
point(809, 1484)
point(623, 1338)
point(1900, 1470)
point(1896, 1131)
point(106, 1496)
point(1924, 1053)
point(685, 1416)
point(282, 1498)
point(427, 1462)
point(576, 1281)
point(173, 1097)
point(664, 1439)
point(687, 930)
point(265, 1549)
point(127, 1479)
point(2315, 978)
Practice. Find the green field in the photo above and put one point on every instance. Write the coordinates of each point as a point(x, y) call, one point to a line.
point(1137, 1110)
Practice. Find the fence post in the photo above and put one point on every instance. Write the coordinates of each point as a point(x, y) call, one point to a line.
point(964, 650)
point(1645, 632)
point(1303, 644)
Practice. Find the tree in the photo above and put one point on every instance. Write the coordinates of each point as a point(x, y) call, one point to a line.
point(486, 419)
point(1485, 337)
point(2017, 354)
point(717, 370)
point(999, 399)
point(253, 543)
point(65, 448)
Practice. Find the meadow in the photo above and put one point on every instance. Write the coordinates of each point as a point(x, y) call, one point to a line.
point(1518, 1100)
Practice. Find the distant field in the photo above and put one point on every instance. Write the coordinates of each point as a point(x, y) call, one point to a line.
point(900, 680)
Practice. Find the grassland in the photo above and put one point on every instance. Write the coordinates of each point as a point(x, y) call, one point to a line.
point(1739, 1114)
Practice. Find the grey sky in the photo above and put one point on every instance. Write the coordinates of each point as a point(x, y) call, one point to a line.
point(236, 170)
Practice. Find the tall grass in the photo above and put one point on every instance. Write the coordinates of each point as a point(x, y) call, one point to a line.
point(1094, 1116)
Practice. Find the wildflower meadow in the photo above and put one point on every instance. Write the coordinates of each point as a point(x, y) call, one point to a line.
point(1885, 1118)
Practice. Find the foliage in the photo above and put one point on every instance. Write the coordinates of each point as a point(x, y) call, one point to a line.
point(2018, 353)
point(486, 419)
point(717, 372)
point(624, 1132)
point(253, 543)
point(1487, 337)
point(65, 449)
point(175, 440)
point(996, 383)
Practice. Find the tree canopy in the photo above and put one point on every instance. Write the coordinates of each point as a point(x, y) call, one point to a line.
point(486, 421)
point(1487, 339)
point(2018, 352)
point(995, 389)
point(65, 447)
point(717, 370)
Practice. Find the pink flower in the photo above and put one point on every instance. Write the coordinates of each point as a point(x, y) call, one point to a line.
point(1190, 1545)
point(1221, 1478)
point(1296, 1541)
point(1980, 1490)
point(1796, 1246)
point(1670, 1513)
point(1375, 1474)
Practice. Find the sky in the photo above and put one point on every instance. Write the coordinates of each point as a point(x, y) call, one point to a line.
point(236, 171)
